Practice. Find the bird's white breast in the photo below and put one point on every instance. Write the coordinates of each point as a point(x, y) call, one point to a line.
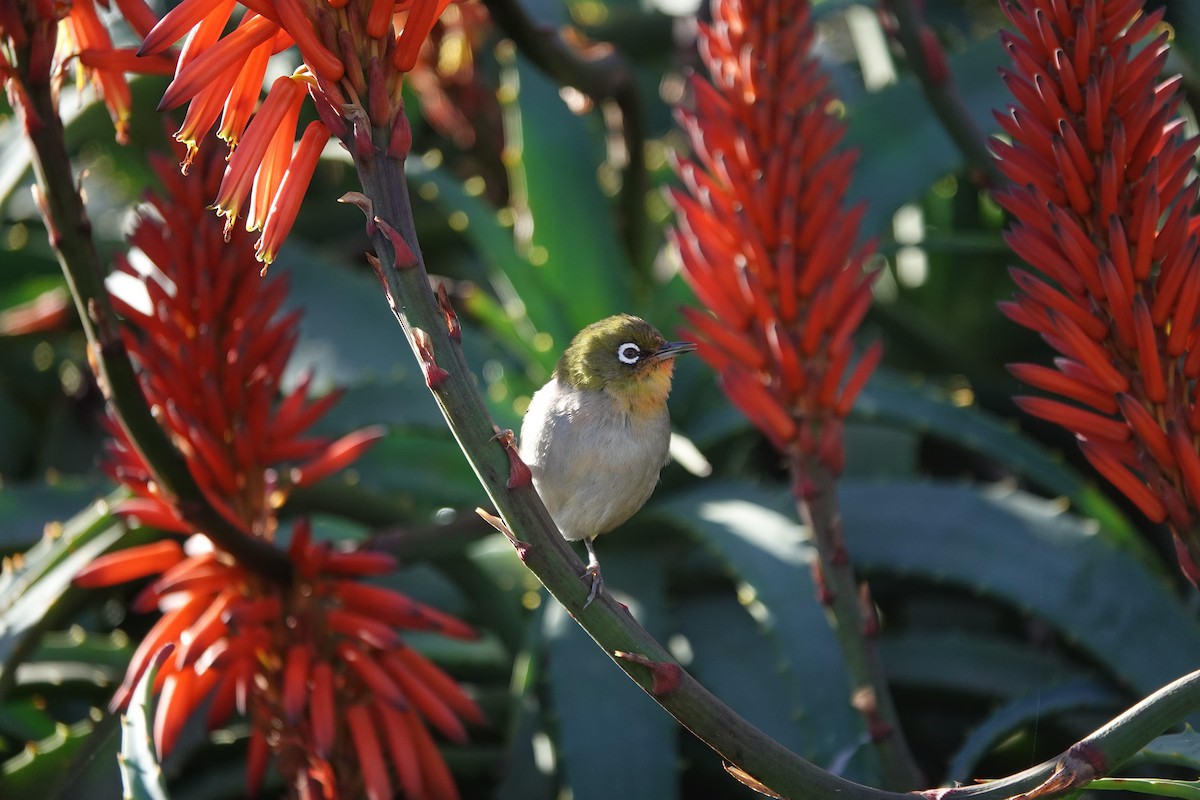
point(593, 462)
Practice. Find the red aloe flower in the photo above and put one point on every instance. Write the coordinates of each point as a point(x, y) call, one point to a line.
point(48, 36)
point(353, 55)
point(771, 250)
point(212, 349)
point(766, 242)
point(302, 662)
point(299, 659)
point(1101, 201)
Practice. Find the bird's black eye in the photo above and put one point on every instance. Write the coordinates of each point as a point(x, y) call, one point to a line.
point(629, 353)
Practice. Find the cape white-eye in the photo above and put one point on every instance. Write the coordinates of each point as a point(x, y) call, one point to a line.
point(596, 436)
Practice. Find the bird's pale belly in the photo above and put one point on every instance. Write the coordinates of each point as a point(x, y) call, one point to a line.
point(593, 465)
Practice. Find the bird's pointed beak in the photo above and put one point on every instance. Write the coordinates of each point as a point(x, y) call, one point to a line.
point(672, 349)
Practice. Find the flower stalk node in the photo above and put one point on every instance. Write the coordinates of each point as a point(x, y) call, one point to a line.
point(423, 345)
point(400, 140)
point(453, 326)
point(870, 613)
point(664, 676)
point(519, 474)
point(404, 257)
point(1079, 766)
point(824, 594)
point(360, 137)
point(521, 547)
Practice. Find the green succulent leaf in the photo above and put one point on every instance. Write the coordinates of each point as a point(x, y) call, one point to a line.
point(1154, 787)
point(141, 773)
point(42, 762)
point(35, 593)
point(613, 740)
point(978, 663)
point(889, 400)
point(570, 233)
point(764, 550)
point(1025, 551)
point(1179, 749)
point(1088, 694)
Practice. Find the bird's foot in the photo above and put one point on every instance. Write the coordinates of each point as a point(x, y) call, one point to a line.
point(597, 582)
point(593, 569)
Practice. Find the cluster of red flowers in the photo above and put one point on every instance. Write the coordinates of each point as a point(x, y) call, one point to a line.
point(53, 35)
point(766, 242)
point(1102, 199)
point(354, 54)
point(318, 665)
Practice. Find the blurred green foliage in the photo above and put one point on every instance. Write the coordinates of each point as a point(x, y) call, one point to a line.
point(1023, 603)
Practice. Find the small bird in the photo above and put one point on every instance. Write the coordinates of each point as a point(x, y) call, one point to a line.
point(596, 436)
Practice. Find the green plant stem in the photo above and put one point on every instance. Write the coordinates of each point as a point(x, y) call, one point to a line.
point(942, 95)
point(1104, 750)
point(71, 236)
point(543, 549)
point(855, 631)
point(604, 76)
point(555, 564)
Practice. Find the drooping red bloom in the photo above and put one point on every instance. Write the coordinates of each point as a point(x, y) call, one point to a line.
point(1101, 200)
point(60, 36)
point(352, 57)
point(319, 666)
point(766, 241)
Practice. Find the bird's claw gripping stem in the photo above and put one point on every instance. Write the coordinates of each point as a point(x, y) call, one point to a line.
point(593, 569)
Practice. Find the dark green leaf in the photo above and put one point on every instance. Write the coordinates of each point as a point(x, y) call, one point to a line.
point(141, 773)
point(26, 507)
point(41, 763)
point(614, 740)
point(921, 409)
point(510, 316)
point(553, 163)
point(23, 720)
point(974, 662)
point(1027, 552)
point(421, 469)
point(1155, 787)
point(898, 162)
point(1090, 694)
point(766, 553)
point(1180, 749)
point(33, 594)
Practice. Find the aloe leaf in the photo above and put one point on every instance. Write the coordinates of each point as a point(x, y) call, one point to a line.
point(614, 741)
point(1088, 694)
point(1178, 749)
point(889, 400)
point(765, 552)
point(37, 590)
point(972, 662)
point(570, 235)
point(1026, 552)
point(1155, 787)
point(42, 762)
point(141, 773)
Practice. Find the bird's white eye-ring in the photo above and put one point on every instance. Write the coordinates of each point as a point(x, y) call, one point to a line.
point(629, 353)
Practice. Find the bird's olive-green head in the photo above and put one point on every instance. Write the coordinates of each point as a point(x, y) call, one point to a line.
point(623, 355)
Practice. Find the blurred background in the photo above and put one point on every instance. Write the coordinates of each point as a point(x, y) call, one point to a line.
point(1023, 602)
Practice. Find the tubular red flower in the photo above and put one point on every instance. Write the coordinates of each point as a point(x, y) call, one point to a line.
point(1098, 150)
point(765, 237)
point(342, 58)
point(212, 343)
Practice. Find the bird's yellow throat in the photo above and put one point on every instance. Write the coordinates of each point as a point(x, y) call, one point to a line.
point(647, 393)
